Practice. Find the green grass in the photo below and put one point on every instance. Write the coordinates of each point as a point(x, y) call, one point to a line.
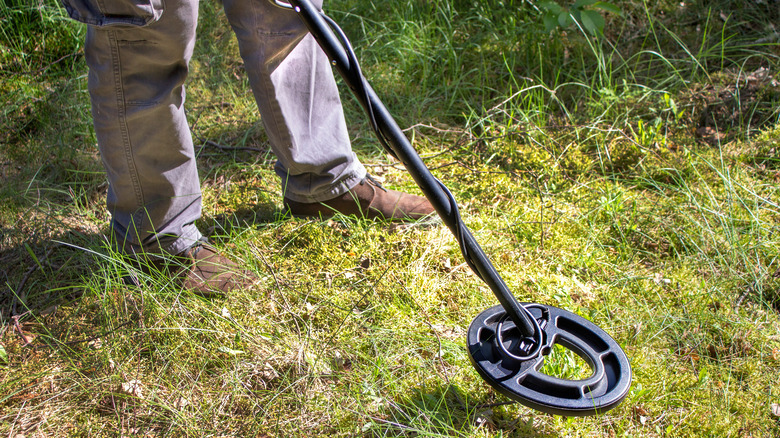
point(631, 179)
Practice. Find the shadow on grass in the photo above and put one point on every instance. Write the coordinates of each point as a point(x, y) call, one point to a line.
point(42, 270)
point(42, 305)
point(40, 274)
point(446, 410)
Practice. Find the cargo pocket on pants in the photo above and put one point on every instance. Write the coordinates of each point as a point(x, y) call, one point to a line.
point(114, 12)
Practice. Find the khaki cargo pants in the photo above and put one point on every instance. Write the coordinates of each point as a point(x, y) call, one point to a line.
point(138, 53)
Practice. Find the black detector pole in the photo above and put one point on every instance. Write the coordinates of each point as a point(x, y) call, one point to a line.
point(506, 343)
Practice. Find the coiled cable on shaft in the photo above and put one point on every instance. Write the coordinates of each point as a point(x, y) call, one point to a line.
point(508, 358)
point(388, 133)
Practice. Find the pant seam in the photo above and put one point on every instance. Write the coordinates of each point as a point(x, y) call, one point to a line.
point(275, 116)
point(123, 129)
point(266, 82)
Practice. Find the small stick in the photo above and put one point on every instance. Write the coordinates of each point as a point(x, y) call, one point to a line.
point(231, 148)
point(92, 338)
point(18, 328)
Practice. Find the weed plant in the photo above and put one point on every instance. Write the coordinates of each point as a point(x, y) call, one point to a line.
point(630, 177)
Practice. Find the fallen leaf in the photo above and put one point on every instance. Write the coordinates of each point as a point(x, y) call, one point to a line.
point(485, 418)
point(339, 362)
point(775, 408)
point(268, 373)
point(399, 227)
point(448, 332)
point(639, 410)
point(229, 351)
point(132, 388)
point(181, 403)
point(95, 344)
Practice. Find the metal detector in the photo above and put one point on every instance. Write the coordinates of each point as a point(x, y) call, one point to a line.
point(507, 343)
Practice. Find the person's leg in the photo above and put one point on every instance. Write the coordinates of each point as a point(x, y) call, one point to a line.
point(136, 77)
point(298, 100)
point(138, 58)
point(299, 103)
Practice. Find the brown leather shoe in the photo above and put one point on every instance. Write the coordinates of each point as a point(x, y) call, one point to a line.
point(209, 273)
point(200, 269)
point(368, 199)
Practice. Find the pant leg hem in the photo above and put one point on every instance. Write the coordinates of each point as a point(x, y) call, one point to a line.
point(334, 190)
point(189, 236)
point(186, 240)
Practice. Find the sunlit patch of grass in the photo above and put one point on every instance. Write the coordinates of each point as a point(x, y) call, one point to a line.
point(597, 174)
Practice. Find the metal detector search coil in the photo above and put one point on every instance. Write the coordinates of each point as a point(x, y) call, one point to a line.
point(494, 342)
point(507, 343)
